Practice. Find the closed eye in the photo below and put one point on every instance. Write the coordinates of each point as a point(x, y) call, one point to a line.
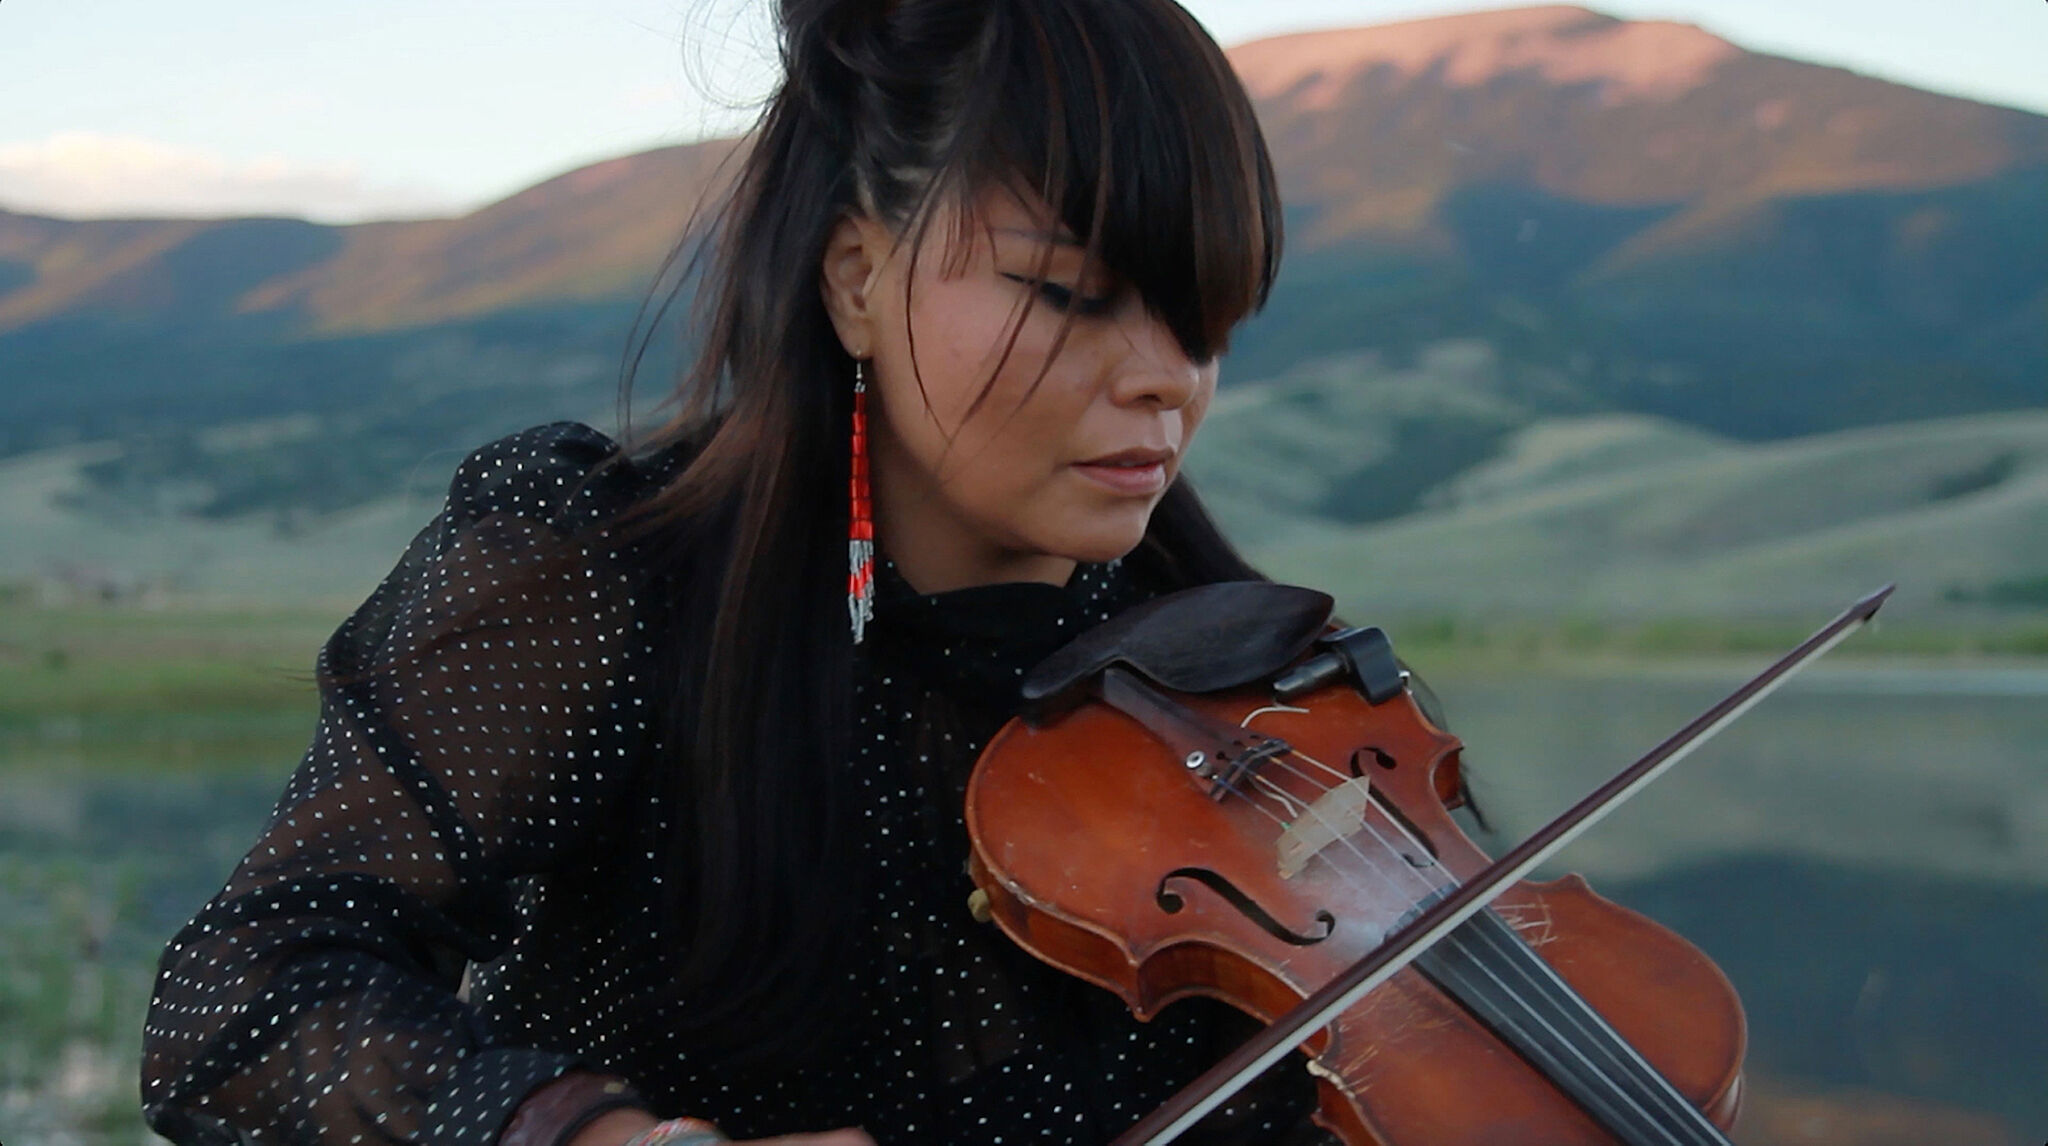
point(1063, 298)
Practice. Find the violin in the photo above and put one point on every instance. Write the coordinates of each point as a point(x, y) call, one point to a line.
point(1218, 793)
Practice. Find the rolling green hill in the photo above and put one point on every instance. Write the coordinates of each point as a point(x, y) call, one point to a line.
point(1627, 516)
point(1573, 309)
point(1427, 491)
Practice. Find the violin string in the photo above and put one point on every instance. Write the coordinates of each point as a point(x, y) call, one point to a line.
point(1338, 836)
point(1351, 845)
point(1450, 881)
point(1494, 945)
point(1447, 881)
point(1490, 951)
point(1299, 808)
point(1286, 801)
point(1608, 1069)
point(1289, 802)
point(1345, 839)
point(1332, 770)
point(1309, 807)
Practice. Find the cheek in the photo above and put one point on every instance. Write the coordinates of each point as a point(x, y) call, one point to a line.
point(1023, 422)
point(1197, 408)
point(956, 337)
point(1194, 412)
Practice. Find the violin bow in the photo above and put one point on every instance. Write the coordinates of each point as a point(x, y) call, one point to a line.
point(1443, 915)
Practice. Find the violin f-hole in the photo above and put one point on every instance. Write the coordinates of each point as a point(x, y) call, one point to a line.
point(1380, 757)
point(1171, 902)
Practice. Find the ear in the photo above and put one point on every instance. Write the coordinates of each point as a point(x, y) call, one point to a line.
point(855, 253)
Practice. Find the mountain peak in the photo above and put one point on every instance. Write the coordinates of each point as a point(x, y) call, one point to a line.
point(1629, 59)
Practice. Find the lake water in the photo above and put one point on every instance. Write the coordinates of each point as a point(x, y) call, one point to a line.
point(1865, 854)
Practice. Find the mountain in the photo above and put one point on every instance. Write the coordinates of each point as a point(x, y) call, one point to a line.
point(1498, 222)
point(1752, 243)
point(1376, 132)
point(1586, 107)
point(593, 233)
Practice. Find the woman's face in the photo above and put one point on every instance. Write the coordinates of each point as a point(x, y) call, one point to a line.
point(1029, 481)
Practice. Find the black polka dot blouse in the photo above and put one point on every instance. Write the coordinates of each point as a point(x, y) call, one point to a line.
point(424, 932)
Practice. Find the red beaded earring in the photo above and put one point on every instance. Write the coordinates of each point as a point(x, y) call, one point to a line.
point(860, 542)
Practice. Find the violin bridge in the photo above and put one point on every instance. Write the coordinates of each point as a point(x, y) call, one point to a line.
point(1335, 814)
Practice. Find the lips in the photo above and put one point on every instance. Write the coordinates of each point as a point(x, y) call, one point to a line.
point(1134, 472)
point(1132, 458)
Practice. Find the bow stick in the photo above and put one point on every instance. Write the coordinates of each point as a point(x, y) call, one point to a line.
point(1441, 917)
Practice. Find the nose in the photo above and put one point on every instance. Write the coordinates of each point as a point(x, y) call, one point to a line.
point(1154, 369)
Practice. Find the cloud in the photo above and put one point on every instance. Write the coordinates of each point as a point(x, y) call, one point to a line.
point(83, 175)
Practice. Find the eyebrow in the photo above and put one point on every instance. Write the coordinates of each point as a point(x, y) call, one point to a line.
point(1042, 236)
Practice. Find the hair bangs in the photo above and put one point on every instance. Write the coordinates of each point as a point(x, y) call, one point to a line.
point(1168, 183)
point(1127, 123)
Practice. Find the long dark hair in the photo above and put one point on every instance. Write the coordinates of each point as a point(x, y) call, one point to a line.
point(1125, 117)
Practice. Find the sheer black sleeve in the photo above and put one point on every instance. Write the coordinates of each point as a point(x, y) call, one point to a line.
point(465, 739)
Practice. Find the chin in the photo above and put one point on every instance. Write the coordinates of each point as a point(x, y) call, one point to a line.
point(1105, 540)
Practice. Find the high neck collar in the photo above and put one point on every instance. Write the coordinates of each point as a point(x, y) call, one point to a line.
point(980, 641)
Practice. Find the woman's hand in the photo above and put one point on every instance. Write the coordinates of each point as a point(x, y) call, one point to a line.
point(617, 1127)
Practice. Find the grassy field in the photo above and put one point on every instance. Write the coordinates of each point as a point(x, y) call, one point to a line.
point(110, 663)
point(140, 750)
point(1631, 517)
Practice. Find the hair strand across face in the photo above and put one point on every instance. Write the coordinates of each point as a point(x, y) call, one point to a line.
point(889, 107)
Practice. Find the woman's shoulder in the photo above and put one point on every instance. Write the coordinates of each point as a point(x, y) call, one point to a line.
point(565, 474)
point(528, 536)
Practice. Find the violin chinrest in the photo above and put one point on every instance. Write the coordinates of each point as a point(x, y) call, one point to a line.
point(1205, 639)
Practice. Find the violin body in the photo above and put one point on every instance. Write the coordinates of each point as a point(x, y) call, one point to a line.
point(1102, 853)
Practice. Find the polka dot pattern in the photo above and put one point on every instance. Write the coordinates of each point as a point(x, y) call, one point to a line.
point(431, 923)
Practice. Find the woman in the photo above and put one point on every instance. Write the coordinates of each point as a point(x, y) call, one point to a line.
point(608, 818)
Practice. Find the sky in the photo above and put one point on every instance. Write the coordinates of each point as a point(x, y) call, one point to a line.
point(346, 110)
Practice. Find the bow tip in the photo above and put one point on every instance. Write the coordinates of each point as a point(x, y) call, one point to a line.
point(1868, 606)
